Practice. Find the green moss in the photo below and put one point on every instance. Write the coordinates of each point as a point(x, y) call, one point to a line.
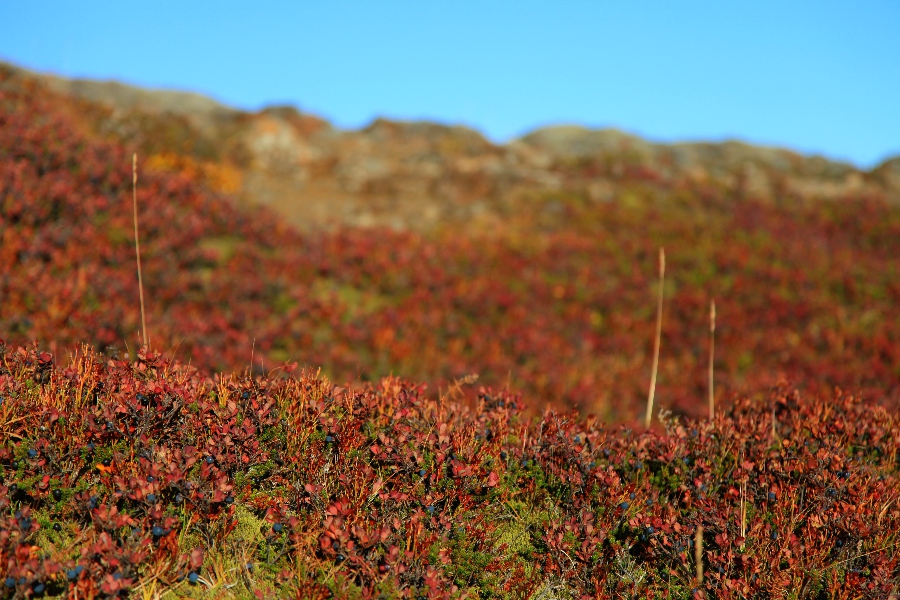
point(553, 588)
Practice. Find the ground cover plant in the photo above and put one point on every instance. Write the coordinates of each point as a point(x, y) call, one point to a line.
point(147, 478)
point(208, 464)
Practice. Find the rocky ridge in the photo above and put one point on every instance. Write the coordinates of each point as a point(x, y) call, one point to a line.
point(423, 175)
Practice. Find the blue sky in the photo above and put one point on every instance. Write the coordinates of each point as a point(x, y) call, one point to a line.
point(816, 76)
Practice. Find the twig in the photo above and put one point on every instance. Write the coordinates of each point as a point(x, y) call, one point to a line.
point(659, 307)
point(137, 249)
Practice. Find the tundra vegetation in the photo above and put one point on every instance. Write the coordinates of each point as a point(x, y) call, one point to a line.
point(210, 465)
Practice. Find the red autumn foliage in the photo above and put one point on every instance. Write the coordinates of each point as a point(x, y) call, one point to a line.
point(384, 487)
point(807, 292)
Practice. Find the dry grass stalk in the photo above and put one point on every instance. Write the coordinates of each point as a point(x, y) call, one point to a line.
point(712, 355)
point(744, 509)
point(137, 249)
point(698, 553)
point(659, 307)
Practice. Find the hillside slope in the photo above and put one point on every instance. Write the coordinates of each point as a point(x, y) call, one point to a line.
point(557, 301)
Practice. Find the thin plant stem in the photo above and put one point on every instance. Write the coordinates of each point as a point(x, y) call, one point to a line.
point(712, 355)
point(659, 308)
point(137, 250)
point(743, 509)
point(698, 553)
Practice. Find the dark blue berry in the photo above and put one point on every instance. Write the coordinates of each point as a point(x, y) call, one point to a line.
point(624, 506)
point(179, 498)
point(341, 558)
point(117, 575)
point(277, 527)
point(210, 460)
point(39, 588)
point(151, 498)
point(631, 495)
point(771, 496)
point(329, 439)
point(150, 478)
point(57, 527)
point(774, 535)
point(192, 578)
point(245, 396)
point(158, 531)
point(423, 473)
point(229, 500)
point(10, 582)
point(32, 453)
point(430, 508)
point(57, 495)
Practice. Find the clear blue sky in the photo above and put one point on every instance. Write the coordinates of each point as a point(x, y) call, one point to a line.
point(817, 76)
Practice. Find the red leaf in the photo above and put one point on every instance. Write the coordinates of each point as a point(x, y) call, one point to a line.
point(493, 479)
point(196, 558)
